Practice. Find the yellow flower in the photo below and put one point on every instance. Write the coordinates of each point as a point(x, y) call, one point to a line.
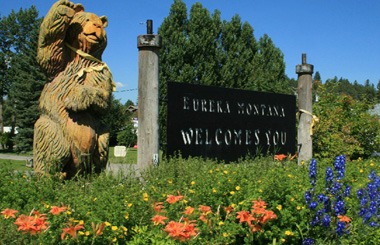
point(237, 188)
point(288, 233)
point(94, 200)
point(361, 170)
point(225, 172)
point(279, 207)
point(192, 182)
point(260, 190)
point(210, 171)
point(114, 239)
point(107, 223)
point(145, 197)
point(81, 233)
point(302, 162)
point(225, 234)
point(283, 240)
point(125, 229)
point(68, 212)
point(87, 233)
point(130, 205)
point(259, 181)
point(232, 192)
point(47, 206)
point(114, 228)
point(184, 201)
point(126, 216)
point(298, 208)
point(81, 222)
point(170, 181)
point(221, 223)
point(292, 199)
point(290, 176)
point(213, 190)
point(233, 205)
point(191, 191)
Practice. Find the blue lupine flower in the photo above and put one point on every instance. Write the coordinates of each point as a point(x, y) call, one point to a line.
point(308, 196)
point(321, 198)
point(326, 220)
point(339, 207)
point(347, 191)
point(336, 187)
point(308, 241)
point(373, 224)
point(313, 205)
point(340, 228)
point(340, 166)
point(363, 201)
point(313, 172)
point(360, 193)
point(329, 176)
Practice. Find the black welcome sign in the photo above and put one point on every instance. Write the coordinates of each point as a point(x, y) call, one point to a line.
point(228, 124)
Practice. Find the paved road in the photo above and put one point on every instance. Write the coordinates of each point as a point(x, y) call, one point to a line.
point(112, 167)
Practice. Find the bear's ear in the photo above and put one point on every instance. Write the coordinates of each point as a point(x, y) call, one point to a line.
point(104, 20)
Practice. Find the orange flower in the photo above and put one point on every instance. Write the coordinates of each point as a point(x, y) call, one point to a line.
point(31, 224)
point(205, 209)
point(244, 216)
point(71, 230)
point(173, 199)
point(174, 229)
point(8, 213)
point(158, 219)
point(98, 228)
point(188, 210)
point(343, 218)
point(158, 206)
point(55, 210)
point(268, 215)
point(255, 228)
point(228, 209)
point(259, 204)
point(203, 218)
point(180, 231)
point(279, 157)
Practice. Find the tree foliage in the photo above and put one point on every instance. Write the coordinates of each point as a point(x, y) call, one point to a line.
point(23, 79)
point(200, 48)
point(345, 126)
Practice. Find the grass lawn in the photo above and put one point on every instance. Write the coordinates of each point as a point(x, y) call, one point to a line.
point(15, 164)
point(130, 158)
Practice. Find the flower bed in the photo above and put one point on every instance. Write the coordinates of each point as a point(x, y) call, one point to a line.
point(193, 201)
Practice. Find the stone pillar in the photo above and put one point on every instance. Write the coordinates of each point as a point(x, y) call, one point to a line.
point(148, 107)
point(305, 97)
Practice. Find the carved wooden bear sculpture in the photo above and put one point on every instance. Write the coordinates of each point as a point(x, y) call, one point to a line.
point(69, 135)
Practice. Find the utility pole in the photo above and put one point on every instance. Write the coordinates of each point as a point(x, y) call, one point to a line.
point(148, 95)
point(305, 101)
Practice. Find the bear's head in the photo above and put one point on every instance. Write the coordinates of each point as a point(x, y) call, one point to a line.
point(87, 33)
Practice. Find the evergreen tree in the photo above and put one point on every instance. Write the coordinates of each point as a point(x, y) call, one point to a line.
point(201, 49)
point(378, 91)
point(270, 68)
point(239, 49)
point(26, 75)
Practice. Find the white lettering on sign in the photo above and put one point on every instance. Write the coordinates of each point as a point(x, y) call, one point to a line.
point(204, 136)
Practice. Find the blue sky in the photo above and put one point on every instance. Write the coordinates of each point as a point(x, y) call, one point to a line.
point(340, 38)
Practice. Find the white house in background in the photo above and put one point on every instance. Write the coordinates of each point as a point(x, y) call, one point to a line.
point(8, 129)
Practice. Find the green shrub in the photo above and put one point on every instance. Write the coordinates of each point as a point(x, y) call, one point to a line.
point(344, 127)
